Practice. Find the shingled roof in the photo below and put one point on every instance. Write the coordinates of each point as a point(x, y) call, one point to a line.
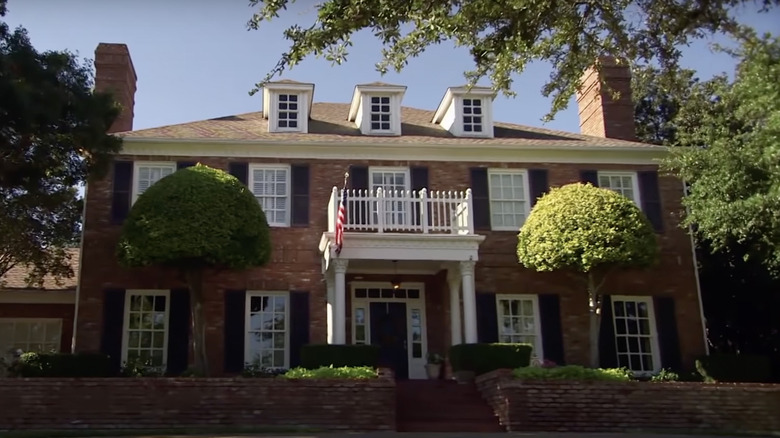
point(16, 276)
point(329, 123)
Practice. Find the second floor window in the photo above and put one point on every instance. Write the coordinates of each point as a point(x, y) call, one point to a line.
point(508, 191)
point(271, 187)
point(624, 183)
point(287, 112)
point(472, 115)
point(146, 174)
point(380, 113)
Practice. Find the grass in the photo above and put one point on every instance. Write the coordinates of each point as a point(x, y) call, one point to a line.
point(189, 431)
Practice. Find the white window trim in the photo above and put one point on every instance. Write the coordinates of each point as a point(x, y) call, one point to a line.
point(33, 320)
point(653, 329)
point(247, 323)
point(395, 116)
point(137, 165)
point(487, 116)
point(526, 193)
point(251, 184)
point(126, 316)
point(276, 111)
point(634, 182)
point(538, 350)
point(387, 169)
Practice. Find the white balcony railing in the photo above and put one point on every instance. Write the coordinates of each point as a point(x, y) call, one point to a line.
point(404, 211)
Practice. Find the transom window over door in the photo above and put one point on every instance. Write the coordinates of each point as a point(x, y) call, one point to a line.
point(287, 117)
point(518, 321)
point(394, 183)
point(472, 115)
point(146, 174)
point(146, 327)
point(267, 337)
point(39, 335)
point(635, 334)
point(624, 183)
point(508, 190)
point(380, 113)
point(271, 187)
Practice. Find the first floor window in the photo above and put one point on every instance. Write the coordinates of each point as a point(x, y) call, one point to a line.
point(267, 336)
point(624, 183)
point(146, 328)
point(635, 335)
point(146, 174)
point(29, 335)
point(508, 190)
point(271, 187)
point(518, 321)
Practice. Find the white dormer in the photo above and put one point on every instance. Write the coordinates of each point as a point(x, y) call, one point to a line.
point(376, 108)
point(467, 112)
point(287, 105)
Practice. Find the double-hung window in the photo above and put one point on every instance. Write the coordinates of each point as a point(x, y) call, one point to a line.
point(148, 173)
point(395, 183)
point(39, 335)
point(518, 321)
point(288, 112)
point(624, 183)
point(509, 206)
point(271, 186)
point(267, 329)
point(146, 327)
point(635, 335)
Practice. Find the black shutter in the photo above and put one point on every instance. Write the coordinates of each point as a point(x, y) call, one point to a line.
point(480, 198)
point(358, 180)
point(113, 323)
point(552, 332)
point(299, 325)
point(178, 332)
point(235, 312)
point(607, 350)
point(487, 318)
point(299, 175)
point(184, 164)
point(419, 181)
point(590, 176)
point(123, 189)
point(666, 327)
point(537, 179)
point(651, 198)
point(240, 170)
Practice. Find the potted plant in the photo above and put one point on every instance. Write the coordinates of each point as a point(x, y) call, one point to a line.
point(433, 367)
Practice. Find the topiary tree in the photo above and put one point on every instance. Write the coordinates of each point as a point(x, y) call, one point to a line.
point(587, 232)
point(195, 219)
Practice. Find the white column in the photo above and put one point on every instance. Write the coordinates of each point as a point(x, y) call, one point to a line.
point(331, 305)
point(469, 301)
point(453, 278)
point(340, 303)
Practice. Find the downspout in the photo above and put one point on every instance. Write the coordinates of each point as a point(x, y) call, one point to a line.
point(698, 282)
point(78, 275)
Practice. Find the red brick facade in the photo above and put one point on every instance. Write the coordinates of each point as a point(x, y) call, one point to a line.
point(560, 406)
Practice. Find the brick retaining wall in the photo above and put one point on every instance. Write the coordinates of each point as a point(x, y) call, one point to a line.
point(622, 406)
point(164, 403)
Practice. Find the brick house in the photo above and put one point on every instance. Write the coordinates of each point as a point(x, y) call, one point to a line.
point(434, 202)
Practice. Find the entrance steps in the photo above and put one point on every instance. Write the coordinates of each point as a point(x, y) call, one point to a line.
point(442, 406)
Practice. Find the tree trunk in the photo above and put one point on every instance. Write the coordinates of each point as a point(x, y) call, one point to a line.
point(195, 282)
point(594, 308)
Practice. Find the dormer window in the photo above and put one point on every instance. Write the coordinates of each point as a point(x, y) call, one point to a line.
point(467, 112)
point(376, 108)
point(287, 106)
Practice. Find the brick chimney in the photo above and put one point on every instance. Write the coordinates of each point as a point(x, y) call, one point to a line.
point(114, 73)
point(600, 114)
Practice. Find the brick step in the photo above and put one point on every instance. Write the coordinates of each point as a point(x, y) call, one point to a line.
point(443, 406)
point(449, 426)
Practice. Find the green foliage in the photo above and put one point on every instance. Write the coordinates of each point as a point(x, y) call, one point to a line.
point(729, 152)
point(255, 369)
point(52, 138)
point(665, 376)
point(573, 372)
point(332, 373)
point(503, 37)
point(139, 368)
point(734, 368)
point(196, 217)
point(483, 358)
point(581, 228)
point(61, 365)
point(323, 355)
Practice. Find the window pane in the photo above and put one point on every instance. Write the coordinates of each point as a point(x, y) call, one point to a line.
point(267, 332)
point(633, 334)
point(270, 186)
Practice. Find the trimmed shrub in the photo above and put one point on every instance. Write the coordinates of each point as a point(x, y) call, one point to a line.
point(314, 356)
point(483, 358)
point(734, 368)
point(332, 373)
point(573, 372)
point(62, 365)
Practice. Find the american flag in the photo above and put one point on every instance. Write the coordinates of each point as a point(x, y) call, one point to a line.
point(341, 218)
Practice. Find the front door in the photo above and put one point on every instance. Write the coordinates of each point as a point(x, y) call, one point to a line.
point(388, 331)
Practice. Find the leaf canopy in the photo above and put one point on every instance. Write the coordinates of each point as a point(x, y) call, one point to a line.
point(197, 217)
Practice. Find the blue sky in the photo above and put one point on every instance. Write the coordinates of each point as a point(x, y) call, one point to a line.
point(196, 60)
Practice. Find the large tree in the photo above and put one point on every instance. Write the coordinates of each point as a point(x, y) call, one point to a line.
point(52, 138)
point(196, 220)
point(504, 36)
point(587, 232)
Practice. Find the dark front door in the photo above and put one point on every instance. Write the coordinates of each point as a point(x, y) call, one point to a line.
point(388, 331)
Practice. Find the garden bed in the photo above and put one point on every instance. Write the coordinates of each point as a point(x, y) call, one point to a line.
point(620, 406)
